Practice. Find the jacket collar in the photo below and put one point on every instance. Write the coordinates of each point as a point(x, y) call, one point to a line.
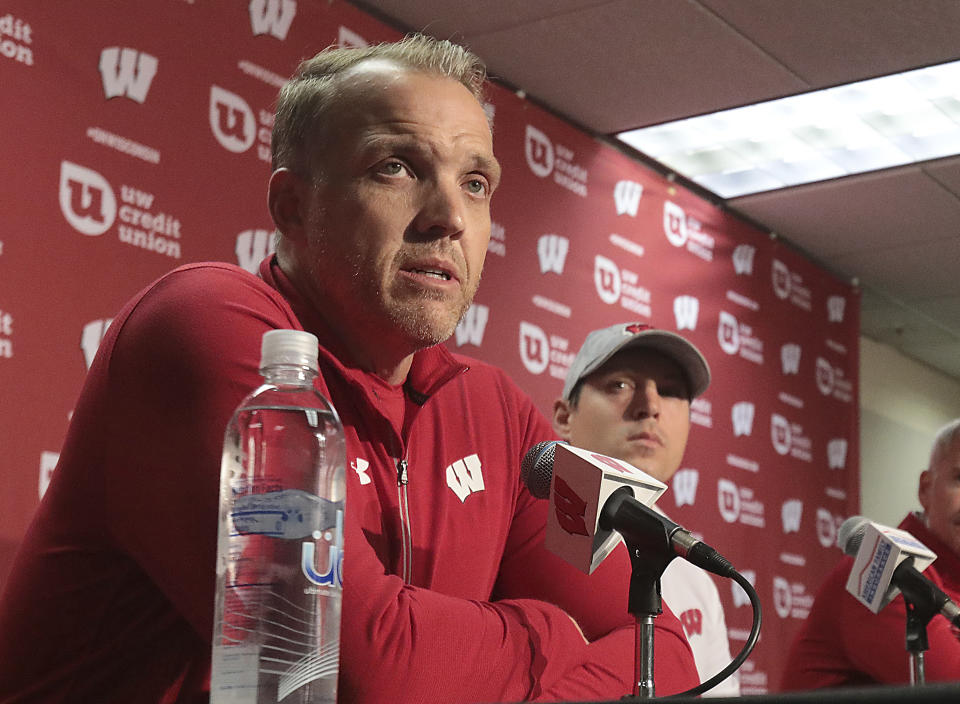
point(947, 562)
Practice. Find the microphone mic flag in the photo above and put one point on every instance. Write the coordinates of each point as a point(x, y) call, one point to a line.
point(878, 552)
point(582, 481)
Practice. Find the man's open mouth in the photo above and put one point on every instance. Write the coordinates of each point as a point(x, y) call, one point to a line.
point(436, 273)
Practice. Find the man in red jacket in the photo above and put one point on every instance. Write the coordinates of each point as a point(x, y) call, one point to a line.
point(842, 643)
point(383, 175)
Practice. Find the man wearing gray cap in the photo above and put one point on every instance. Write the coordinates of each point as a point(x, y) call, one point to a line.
point(627, 395)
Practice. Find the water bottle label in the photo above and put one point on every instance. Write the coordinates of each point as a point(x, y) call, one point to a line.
point(291, 514)
point(235, 676)
point(317, 664)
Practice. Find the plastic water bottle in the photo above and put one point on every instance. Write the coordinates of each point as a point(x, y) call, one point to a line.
point(280, 545)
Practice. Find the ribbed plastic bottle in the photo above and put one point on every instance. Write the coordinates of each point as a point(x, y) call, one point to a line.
point(280, 543)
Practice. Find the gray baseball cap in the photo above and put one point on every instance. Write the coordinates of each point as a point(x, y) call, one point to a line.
point(601, 345)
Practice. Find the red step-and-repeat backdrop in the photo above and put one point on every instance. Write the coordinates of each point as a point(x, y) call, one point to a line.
point(135, 138)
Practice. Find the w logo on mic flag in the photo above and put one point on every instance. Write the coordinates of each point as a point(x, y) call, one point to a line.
point(569, 508)
point(582, 483)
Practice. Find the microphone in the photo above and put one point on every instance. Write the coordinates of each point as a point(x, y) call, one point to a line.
point(596, 499)
point(888, 561)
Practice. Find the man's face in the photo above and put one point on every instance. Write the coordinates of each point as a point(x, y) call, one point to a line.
point(940, 497)
point(398, 223)
point(636, 408)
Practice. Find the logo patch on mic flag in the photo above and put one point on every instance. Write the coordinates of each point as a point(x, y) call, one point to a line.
point(881, 551)
point(582, 482)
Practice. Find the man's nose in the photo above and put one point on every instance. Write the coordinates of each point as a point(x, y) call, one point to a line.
point(646, 401)
point(442, 211)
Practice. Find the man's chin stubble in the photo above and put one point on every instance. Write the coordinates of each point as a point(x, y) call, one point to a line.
point(425, 328)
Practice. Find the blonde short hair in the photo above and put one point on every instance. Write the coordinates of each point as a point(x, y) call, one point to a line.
point(313, 89)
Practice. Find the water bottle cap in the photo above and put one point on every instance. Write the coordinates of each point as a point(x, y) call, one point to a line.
point(289, 347)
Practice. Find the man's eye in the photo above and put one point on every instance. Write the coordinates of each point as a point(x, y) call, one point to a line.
point(476, 186)
point(392, 168)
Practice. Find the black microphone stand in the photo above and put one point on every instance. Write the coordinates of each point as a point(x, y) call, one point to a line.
point(650, 551)
point(921, 608)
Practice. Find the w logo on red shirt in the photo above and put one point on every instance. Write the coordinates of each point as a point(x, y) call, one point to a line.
point(465, 477)
point(692, 620)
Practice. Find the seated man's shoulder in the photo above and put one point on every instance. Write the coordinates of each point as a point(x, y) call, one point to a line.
point(206, 307)
point(205, 290)
point(207, 277)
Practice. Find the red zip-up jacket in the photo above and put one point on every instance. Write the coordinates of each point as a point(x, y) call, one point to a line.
point(842, 643)
point(449, 595)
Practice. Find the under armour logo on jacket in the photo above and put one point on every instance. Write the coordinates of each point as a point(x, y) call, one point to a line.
point(360, 466)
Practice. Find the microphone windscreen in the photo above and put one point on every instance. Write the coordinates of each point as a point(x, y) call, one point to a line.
point(536, 469)
point(851, 534)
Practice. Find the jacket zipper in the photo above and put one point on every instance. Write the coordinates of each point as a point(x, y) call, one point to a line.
point(406, 536)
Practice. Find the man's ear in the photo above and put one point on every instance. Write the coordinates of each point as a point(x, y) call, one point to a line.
point(286, 200)
point(562, 412)
point(924, 488)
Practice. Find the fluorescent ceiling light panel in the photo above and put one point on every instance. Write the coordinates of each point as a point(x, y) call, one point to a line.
point(849, 129)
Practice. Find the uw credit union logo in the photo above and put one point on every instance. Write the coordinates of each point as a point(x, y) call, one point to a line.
point(540, 352)
point(87, 201)
point(231, 120)
point(546, 158)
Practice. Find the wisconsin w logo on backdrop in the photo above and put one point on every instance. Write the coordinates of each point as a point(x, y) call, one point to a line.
point(626, 197)
point(272, 17)
point(552, 252)
point(686, 309)
point(127, 73)
point(471, 327)
point(253, 246)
